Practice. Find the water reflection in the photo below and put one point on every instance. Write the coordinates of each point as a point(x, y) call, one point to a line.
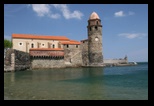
point(116, 83)
point(12, 77)
point(66, 73)
point(61, 84)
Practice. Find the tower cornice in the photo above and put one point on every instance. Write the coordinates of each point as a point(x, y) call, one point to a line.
point(93, 20)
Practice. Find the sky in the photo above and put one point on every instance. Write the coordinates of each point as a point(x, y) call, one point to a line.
point(125, 26)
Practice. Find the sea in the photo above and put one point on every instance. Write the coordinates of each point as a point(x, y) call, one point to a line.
point(107, 83)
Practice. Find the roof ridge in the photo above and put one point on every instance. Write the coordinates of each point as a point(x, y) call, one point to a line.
point(31, 36)
point(46, 49)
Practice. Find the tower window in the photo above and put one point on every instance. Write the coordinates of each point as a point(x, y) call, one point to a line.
point(32, 45)
point(67, 46)
point(96, 27)
point(90, 28)
point(97, 22)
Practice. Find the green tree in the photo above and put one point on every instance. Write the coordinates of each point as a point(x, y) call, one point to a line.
point(7, 43)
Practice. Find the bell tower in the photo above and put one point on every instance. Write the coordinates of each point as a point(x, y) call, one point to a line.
point(94, 40)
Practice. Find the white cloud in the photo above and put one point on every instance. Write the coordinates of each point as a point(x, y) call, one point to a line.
point(66, 12)
point(55, 16)
point(133, 35)
point(122, 14)
point(41, 9)
point(47, 10)
point(119, 14)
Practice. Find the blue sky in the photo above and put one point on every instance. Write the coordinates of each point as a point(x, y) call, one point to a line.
point(125, 26)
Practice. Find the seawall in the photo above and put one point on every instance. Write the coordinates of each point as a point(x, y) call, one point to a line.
point(16, 60)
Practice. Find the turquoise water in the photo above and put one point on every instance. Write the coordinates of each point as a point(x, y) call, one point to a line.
point(109, 83)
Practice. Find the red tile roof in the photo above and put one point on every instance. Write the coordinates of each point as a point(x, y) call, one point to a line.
point(45, 49)
point(74, 41)
point(46, 53)
point(31, 36)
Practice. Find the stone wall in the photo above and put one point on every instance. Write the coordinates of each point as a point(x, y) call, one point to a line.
point(95, 42)
point(7, 58)
point(40, 63)
point(16, 59)
point(76, 59)
point(84, 48)
point(72, 54)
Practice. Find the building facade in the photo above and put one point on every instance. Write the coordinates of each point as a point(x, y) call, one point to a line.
point(25, 42)
point(49, 51)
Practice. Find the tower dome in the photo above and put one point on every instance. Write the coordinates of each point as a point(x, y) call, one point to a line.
point(94, 15)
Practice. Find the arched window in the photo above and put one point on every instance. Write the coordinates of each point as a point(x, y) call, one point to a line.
point(53, 46)
point(32, 45)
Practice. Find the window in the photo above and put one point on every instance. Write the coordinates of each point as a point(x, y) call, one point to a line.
point(90, 29)
point(53, 46)
point(32, 45)
point(20, 44)
point(96, 27)
point(42, 44)
point(97, 22)
point(76, 46)
point(67, 46)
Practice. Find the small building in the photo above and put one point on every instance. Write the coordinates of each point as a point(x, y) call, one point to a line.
point(48, 51)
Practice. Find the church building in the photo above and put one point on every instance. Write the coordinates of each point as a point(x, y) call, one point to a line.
point(60, 51)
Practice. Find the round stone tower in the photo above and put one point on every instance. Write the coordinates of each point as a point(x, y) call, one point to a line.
point(94, 40)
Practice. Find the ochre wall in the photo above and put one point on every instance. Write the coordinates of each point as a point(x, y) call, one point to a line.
point(27, 44)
